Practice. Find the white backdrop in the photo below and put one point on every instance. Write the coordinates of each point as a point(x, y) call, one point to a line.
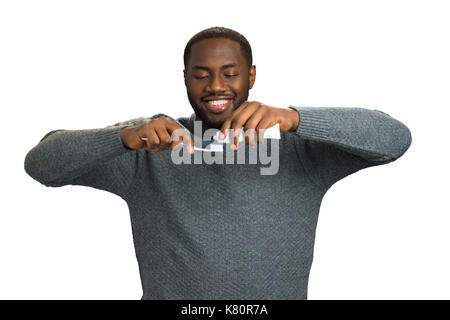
point(383, 233)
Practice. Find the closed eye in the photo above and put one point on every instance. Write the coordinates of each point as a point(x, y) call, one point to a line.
point(227, 75)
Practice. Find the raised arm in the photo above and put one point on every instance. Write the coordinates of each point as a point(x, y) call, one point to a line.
point(93, 157)
point(339, 141)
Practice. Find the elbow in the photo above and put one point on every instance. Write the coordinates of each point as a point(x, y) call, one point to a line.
point(38, 161)
point(35, 169)
point(392, 143)
point(399, 142)
point(30, 165)
point(396, 138)
point(402, 140)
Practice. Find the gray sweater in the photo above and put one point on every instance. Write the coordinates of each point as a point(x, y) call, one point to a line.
point(218, 231)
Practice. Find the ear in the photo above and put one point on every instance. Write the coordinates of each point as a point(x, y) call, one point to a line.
point(184, 75)
point(252, 76)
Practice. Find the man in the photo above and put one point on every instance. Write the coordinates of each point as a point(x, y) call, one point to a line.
point(222, 231)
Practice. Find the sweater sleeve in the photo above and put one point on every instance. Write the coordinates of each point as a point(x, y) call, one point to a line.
point(340, 141)
point(92, 157)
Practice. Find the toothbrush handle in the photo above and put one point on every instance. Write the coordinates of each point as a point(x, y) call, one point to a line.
point(181, 144)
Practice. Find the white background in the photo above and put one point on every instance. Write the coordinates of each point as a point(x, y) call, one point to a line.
point(383, 233)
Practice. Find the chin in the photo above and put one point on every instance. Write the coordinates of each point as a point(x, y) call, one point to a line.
point(213, 124)
point(212, 120)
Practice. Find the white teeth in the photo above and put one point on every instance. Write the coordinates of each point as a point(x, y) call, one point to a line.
point(218, 102)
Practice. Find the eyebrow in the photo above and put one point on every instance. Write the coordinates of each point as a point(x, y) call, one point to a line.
point(229, 65)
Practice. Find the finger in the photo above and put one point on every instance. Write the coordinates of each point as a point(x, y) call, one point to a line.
point(250, 137)
point(179, 145)
point(171, 125)
point(261, 128)
point(250, 127)
point(236, 130)
point(239, 121)
point(187, 140)
point(164, 137)
point(180, 135)
point(227, 124)
point(176, 137)
point(224, 129)
point(152, 139)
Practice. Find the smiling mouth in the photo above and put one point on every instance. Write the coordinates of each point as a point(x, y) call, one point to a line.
point(218, 106)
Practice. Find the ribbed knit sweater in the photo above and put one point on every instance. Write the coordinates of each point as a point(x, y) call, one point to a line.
point(222, 231)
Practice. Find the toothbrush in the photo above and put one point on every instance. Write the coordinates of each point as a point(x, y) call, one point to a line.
point(272, 132)
point(195, 148)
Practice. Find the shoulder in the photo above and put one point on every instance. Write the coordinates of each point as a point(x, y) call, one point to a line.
point(131, 122)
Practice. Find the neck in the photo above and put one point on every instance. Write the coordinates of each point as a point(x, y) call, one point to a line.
point(198, 127)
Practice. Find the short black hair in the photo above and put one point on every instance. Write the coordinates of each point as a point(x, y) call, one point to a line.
point(220, 32)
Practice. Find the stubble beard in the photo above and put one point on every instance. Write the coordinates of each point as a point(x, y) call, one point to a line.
point(202, 114)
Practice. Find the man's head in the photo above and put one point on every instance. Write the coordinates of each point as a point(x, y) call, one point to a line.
point(217, 68)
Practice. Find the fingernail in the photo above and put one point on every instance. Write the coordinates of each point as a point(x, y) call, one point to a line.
point(221, 136)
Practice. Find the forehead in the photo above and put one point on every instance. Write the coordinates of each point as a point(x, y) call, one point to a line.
point(216, 52)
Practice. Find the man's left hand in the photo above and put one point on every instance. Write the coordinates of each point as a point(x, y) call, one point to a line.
point(255, 117)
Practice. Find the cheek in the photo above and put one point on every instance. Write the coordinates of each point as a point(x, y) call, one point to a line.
point(239, 85)
point(194, 91)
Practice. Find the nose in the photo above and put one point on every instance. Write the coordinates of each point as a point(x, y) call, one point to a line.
point(216, 84)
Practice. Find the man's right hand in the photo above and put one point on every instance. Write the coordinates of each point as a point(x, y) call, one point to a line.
point(158, 132)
